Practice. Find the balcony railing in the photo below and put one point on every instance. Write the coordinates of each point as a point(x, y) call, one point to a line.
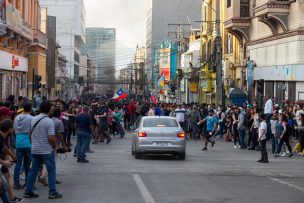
point(12, 19)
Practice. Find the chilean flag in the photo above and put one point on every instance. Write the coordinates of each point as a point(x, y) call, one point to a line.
point(153, 98)
point(120, 94)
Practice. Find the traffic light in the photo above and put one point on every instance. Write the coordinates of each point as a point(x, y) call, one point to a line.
point(260, 86)
point(37, 82)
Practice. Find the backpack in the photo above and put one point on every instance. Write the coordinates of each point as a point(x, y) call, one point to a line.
point(246, 120)
point(289, 130)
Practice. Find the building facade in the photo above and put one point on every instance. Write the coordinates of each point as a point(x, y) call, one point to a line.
point(161, 13)
point(271, 37)
point(190, 67)
point(139, 71)
point(100, 46)
point(62, 77)
point(70, 32)
point(18, 28)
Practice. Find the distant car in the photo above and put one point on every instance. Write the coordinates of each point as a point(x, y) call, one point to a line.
point(159, 135)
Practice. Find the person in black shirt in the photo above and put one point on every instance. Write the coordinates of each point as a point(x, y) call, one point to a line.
point(103, 124)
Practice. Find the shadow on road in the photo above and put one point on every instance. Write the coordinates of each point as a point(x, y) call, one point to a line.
point(160, 157)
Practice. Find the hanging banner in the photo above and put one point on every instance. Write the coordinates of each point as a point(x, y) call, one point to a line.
point(193, 86)
point(249, 73)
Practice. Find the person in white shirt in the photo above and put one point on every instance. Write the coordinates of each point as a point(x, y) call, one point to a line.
point(268, 106)
point(268, 110)
point(299, 111)
point(262, 139)
point(179, 114)
point(151, 111)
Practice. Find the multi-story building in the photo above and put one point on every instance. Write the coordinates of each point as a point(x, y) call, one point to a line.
point(100, 46)
point(139, 71)
point(70, 32)
point(125, 76)
point(62, 77)
point(160, 13)
point(166, 60)
point(190, 67)
point(19, 26)
point(270, 34)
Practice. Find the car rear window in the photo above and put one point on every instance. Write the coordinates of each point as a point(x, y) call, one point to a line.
point(159, 122)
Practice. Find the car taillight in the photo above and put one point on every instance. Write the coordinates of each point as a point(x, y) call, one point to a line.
point(181, 135)
point(142, 134)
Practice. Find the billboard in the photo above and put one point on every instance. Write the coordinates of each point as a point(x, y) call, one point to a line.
point(164, 63)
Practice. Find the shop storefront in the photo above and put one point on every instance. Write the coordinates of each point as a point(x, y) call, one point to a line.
point(283, 82)
point(13, 71)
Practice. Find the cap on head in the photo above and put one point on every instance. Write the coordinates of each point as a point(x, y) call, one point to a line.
point(4, 111)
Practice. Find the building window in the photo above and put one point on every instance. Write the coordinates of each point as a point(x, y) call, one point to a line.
point(245, 5)
point(228, 44)
point(228, 3)
point(18, 5)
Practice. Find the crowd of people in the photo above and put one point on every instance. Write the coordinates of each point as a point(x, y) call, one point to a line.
point(33, 133)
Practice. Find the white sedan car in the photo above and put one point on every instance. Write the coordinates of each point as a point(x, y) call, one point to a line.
point(159, 135)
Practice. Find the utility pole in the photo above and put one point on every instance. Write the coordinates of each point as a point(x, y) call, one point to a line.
point(131, 85)
point(136, 79)
point(179, 37)
point(219, 74)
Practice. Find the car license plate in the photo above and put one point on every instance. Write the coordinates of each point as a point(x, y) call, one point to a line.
point(161, 143)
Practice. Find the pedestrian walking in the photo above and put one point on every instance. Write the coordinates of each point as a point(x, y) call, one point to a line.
point(284, 137)
point(211, 126)
point(84, 131)
point(103, 126)
point(179, 114)
point(22, 127)
point(194, 118)
point(43, 151)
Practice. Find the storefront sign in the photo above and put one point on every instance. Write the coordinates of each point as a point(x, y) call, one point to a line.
point(249, 73)
point(164, 63)
point(193, 86)
point(13, 62)
point(206, 85)
point(280, 73)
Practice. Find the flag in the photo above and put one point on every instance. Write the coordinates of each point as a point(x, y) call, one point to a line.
point(3, 4)
point(161, 82)
point(153, 98)
point(120, 94)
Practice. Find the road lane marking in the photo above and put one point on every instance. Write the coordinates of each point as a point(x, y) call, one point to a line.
point(288, 184)
point(143, 189)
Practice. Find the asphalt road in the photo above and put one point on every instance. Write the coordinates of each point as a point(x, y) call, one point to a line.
point(221, 175)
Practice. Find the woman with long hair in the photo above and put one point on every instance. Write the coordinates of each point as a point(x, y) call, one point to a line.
point(284, 138)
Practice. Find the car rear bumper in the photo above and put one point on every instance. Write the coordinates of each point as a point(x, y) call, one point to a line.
point(161, 149)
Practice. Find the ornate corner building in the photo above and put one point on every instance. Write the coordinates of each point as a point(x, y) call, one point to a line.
point(18, 29)
point(270, 37)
